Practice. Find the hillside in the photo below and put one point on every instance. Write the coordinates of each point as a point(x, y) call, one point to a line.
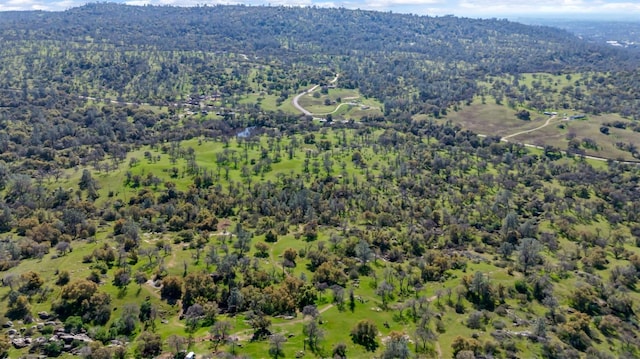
point(299, 182)
point(436, 60)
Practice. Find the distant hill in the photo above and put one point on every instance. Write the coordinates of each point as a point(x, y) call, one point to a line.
point(397, 58)
point(497, 45)
point(614, 33)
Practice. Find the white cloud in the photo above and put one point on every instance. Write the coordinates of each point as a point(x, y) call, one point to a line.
point(219, 2)
point(546, 7)
point(18, 4)
point(328, 4)
point(392, 3)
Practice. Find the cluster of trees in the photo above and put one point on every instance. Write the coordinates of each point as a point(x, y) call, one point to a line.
point(439, 59)
point(393, 202)
point(590, 92)
point(463, 192)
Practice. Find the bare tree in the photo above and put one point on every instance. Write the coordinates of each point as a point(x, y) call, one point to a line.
point(176, 343)
point(220, 332)
point(314, 334)
point(276, 344)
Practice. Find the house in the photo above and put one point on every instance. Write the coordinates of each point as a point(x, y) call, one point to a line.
point(577, 117)
point(191, 355)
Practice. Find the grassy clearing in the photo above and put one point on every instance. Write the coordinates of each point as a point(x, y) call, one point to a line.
point(491, 119)
point(268, 102)
point(560, 134)
point(345, 103)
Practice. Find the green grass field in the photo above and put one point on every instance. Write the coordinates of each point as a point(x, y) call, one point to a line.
point(351, 105)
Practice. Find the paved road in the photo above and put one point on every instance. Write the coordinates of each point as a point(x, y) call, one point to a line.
point(297, 105)
point(306, 92)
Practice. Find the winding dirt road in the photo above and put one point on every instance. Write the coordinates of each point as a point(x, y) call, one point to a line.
point(548, 122)
point(337, 108)
point(533, 129)
point(112, 101)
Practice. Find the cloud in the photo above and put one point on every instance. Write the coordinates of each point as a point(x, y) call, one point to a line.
point(20, 5)
point(547, 7)
point(219, 2)
point(392, 3)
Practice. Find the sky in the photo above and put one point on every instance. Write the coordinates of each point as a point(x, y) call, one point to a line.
point(609, 9)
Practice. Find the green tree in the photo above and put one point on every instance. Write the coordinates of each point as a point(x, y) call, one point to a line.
point(6, 218)
point(524, 115)
point(19, 308)
point(385, 291)
point(73, 324)
point(63, 278)
point(89, 184)
point(290, 255)
point(198, 286)
point(147, 314)
point(31, 283)
point(171, 288)
point(510, 226)
point(140, 278)
point(126, 324)
point(339, 351)
point(263, 249)
point(465, 344)
point(83, 298)
point(5, 345)
point(397, 347)
point(121, 278)
point(176, 343)
point(365, 333)
point(260, 324)
point(529, 254)
point(149, 345)
point(364, 252)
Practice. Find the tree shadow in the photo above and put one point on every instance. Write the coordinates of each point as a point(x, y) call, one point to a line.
point(122, 292)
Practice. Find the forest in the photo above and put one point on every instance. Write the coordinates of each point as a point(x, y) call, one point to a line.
point(275, 182)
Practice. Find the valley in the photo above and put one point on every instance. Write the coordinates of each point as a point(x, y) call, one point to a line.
point(226, 181)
